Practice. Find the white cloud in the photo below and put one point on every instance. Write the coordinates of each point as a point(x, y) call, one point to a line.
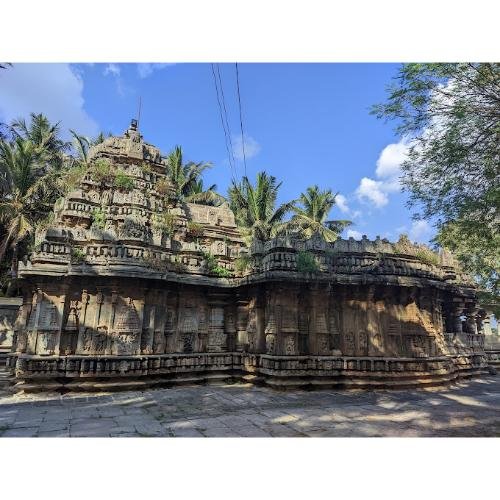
point(146, 69)
point(56, 90)
point(252, 147)
point(420, 231)
point(388, 171)
point(352, 233)
point(115, 72)
point(372, 191)
point(112, 69)
point(390, 160)
point(341, 202)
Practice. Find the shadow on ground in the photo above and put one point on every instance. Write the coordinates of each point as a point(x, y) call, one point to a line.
point(469, 408)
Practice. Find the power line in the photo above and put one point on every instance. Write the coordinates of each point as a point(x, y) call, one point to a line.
point(241, 119)
point(223, 125)
point(225, 113)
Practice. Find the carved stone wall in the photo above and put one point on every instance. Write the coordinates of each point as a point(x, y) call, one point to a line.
point(9, 308)
point(124, 284)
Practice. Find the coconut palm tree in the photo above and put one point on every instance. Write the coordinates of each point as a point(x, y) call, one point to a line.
point(198, 194)
point(255, 206)
point(28, 193)
point(310, 217)
point(81, 146)
point(99, 138)
point(184, 177)
point(46, 138)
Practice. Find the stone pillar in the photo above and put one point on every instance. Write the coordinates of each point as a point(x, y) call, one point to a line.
point(241, 324)
point(159, 339)
point(140, 303)
point(272, 318)
point(471, 313)
point(217, 338)
point(148, 325)
point(88, 322)
point(487, 323)
point(34, 318)
point(171, 321)
point(334, 318)
point(61, 306)
point(260, 321)
point(456, 315)
point(304, 320)
point(287, 324)
point(375, 340)
point(19, 341)
point(319, 341)
point(106, 324)
point(481, 316)
point(230, 326)
point(203, 321)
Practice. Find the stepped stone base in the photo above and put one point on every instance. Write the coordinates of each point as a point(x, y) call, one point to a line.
point(97, 373)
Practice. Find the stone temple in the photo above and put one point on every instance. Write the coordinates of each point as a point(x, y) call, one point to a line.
point(131, 287)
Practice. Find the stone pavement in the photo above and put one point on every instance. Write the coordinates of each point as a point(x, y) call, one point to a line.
point(470, 408)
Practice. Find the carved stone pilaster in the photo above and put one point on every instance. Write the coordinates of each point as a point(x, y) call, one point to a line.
point(241, 325)
point(217, 337)
point(319, 341)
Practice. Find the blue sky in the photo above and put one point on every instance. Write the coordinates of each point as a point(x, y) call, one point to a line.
point(304, 123)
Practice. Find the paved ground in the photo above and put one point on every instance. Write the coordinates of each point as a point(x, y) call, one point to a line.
point(470, 408)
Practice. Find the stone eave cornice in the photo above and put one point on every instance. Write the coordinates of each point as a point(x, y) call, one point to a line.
point(138, 271)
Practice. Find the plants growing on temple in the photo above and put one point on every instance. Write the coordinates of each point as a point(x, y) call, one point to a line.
point(98, 217)
point(194, 229)
point(162, 186)
point(448, 116)
point(426, 255)
point(146, 167)
point(214, 268)
point(254, 206)
point(420, 252)
point(306, 262)
point(102, 172)
point(310, 215)
point(242, 263)
point(123, 181)
point(155, 263)
point(77, 255)
point(164, 222)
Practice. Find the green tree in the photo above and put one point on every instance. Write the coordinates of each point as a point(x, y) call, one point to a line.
point(28, 193)
point(255, 208)
point(310, 217)
point(81, 146)
point(198, 194)
point(184, 177)
point(449, 114)
point(45, 136)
